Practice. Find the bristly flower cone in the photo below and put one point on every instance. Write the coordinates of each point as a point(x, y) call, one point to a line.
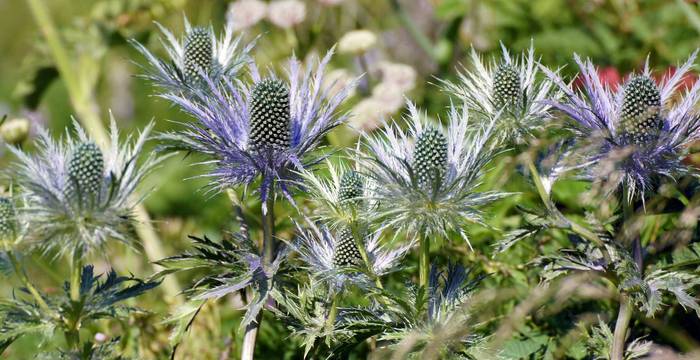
point(351, 189)
point(506, 86)
point(346, 251)
point(85, 171)
point(270, 116)
point(640, 120)
point(430, 158)
point(198, 52)
point(7, 220)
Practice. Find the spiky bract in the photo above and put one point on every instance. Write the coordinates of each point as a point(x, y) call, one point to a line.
point(234, 119)
point(635, 135)
point(78, 196)
point(507, 91)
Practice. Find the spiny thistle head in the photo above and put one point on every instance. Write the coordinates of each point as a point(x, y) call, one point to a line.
point(198, 52)
point(85, 171)
point(346, 251)
point(269, 120)
point(430, 158)
point(506, 85)
point(640, 120)
point(8, 221)
point(351, 188)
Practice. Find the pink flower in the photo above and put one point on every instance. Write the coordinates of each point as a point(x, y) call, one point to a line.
point(286, 13)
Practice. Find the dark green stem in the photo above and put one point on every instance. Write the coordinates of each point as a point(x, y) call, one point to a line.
point(424, 261)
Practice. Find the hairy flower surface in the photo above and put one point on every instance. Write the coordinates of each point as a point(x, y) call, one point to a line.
point(265, 128)
point(507, 90)
point(198, 52)
point(332, 256)
point(77, 196)
point(634, 135)
point(426, 178)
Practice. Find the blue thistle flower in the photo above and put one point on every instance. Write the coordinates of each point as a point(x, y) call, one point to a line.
point(633, 136)
point(263, 128)
point(508, 91)
point(78, 196)
point(425, 179)
point(198, 52)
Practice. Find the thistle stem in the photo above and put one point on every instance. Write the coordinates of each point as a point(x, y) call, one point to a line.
point(625, 313)
point(25, 281)
point(268, 253)
point(424, 261)
point(332, 313)
point(409, 24)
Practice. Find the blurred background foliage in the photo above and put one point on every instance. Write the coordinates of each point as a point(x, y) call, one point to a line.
point(430, 37)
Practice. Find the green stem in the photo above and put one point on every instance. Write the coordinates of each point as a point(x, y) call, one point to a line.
point(25, 281)
point(83, 102)
point(623, 319)
point(410, 25)
point(268, 253)
point(76, 271)
point(424, 261)
point(332, 313)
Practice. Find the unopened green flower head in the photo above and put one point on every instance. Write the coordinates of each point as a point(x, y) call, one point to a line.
point(198, 52)
point(351, 189)
point(270, 115)
point(346, 251)
point(506, 85)
point(430, 158)
point(640, 120)
point(8, 221)
point(85, 172)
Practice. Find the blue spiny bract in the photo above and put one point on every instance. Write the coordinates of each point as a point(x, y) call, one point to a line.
point(430, 158)
point(351, 188)
point(85, 173)
point(640, 119)
point(269, 122)
point(7, 220)
point(198, 52)
point(346, 251)
point(506, 86)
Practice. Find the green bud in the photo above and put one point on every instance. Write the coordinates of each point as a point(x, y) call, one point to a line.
point(430, 158)
point(506, 86)
point(85, 171)
point(269, 121)
point(640, 120)
point(15, 131)
point(351, 188)
point(198, 52)
point(346, 251)
point(8, 220)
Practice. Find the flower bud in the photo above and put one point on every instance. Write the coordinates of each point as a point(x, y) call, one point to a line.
point(198, 52)
point(640, 120)
point(15, 131)
point(269, 120)
point(346, 251)
point(506, 86)
point(430, 158)
point(351, 188)
point(85, 173)
point(8, 220)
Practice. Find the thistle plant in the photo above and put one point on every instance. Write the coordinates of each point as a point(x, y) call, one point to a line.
point(426, 180)
point(199, 52)
point(509, 91)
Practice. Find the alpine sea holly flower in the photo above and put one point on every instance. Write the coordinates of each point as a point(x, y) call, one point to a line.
point(636, 134)
point(8, 220)
point(263, 128)
point(78, 196)
point(199, 52)
point(426, 178)
point(509, 86)
point(332, 256)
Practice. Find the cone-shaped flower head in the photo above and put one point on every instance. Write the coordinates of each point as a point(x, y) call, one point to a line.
point(506, 86)
point(262, 128)
point(78, 196)
point(198, 52)
point(85, 173)
point(635, 135)
point(640, 118)
point(508, 91)
point(269, 115)
point(425, 178)
point(351, 188)
point(346, 251)
point(8, 220)
point(430, 158)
